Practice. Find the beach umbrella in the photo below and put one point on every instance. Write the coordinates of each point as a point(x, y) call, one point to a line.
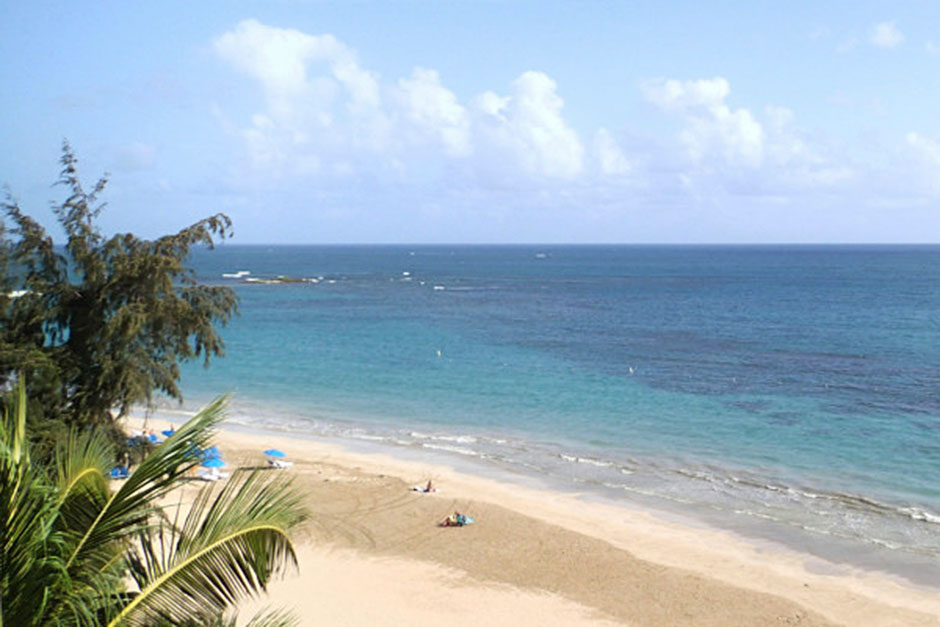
point(168, 432)
point(213, 462)
point(210, 453)
point(273, 452)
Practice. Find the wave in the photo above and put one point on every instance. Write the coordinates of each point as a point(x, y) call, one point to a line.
point(463, 439)
point(451, 449)
point(741, 499)
point(921, 514)
point(586, 460)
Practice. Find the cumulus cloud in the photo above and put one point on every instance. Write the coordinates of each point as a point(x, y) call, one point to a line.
point(316, 93)
point(886, 35)
point(714, 129)
point(325, 116)
point(528, 125)
point(736, 150)
point(436, 109)
point(279, 59)
point(323, 107)
point(609, 156)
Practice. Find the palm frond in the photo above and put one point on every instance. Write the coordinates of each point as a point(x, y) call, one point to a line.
point(67, 544)
point(82, 462)
point(129, 508)
point(273, 618)
point(228, 547)
point(25, 535)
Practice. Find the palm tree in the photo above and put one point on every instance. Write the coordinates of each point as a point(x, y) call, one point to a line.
point(69, 546)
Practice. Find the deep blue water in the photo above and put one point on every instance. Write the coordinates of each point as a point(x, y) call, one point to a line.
point(787, 388)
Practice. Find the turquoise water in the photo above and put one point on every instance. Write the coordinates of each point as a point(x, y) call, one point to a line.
point(785, 391)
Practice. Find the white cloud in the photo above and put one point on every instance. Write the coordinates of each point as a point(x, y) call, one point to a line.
point(317, 94)
point(436, 109)
point(795, 159)
point(279, 59)
point(931, 48)
point(326, 116)
point(609, 156)
point(886, 35)
point(528, 127)
point(323, 108)
point(736, 151)
point(713, 128)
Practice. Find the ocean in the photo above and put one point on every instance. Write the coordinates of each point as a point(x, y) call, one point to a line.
point(790, 393)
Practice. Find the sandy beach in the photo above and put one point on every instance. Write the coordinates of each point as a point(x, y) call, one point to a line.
point(373, 553)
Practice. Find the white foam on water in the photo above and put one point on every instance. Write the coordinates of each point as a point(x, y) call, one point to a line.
point(451, 449)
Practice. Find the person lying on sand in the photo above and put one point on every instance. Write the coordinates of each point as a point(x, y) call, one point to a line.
point(428, 489)
point(456, 520)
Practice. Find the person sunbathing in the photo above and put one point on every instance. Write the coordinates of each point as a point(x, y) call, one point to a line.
point(456, 520)
point(450, 521)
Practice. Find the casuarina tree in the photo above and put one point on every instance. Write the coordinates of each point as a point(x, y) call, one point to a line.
point(99, 323)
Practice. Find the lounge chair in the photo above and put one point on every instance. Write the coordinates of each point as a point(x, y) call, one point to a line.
point(279, 463)
point(211, 474)
point(120, 472)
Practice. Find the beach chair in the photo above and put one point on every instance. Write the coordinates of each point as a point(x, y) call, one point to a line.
point(120, 472)
point(280, 464)
point(211, 474)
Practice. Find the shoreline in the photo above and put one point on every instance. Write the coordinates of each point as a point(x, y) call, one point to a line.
point(589, 557)
point(555, 466)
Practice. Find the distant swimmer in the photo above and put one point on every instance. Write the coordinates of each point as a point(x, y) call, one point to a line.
point(438, 353)
point(630, 369)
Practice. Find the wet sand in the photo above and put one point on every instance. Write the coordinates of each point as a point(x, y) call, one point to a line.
point(373, 553)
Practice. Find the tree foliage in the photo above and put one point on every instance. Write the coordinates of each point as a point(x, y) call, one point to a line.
point(103, 321)
point(70, 546)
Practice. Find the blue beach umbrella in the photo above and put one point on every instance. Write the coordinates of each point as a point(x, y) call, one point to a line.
point(168, 432)
point(213, 462)
point(273, 452)
point(210, 453)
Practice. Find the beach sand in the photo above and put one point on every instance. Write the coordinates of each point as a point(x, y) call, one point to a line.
point(372, 553)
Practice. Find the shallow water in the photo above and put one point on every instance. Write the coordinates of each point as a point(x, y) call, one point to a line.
point(785, 391)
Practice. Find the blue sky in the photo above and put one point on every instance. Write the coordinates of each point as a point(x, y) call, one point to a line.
point(491, 121)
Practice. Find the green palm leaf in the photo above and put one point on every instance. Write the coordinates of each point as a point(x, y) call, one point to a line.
point(29, 543)
point(67, 544)
point(130, 508)
point(228, 547)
